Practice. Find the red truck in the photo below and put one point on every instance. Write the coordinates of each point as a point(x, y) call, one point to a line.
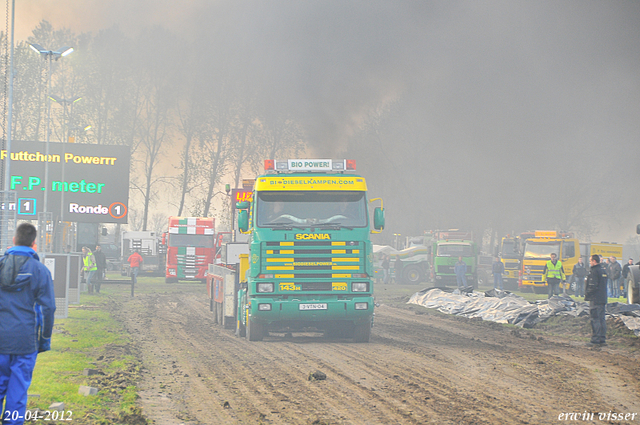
point(191, 247)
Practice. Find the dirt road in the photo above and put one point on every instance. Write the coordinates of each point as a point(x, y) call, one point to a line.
point(420, 367)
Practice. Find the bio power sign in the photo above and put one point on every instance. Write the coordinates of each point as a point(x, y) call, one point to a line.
point(309, 165)
point(86, 183)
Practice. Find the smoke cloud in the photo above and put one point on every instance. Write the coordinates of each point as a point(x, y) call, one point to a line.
point(501, 114)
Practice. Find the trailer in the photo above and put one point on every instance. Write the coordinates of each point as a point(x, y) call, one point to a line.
point(224, 280)
point(149, 246)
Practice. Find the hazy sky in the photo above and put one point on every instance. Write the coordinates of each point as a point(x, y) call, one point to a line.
point(501, 111)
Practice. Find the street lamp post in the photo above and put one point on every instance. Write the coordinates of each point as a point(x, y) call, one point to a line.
point(65, 103)
point(50, 55)
point(65, 128)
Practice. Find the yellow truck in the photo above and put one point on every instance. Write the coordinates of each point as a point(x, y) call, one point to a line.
point(605, 249)
point(510, 254)
point(538, 249)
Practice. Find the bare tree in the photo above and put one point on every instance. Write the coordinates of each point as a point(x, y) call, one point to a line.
point(276, 135)
point(156, 83)
point(215, 144)
point(191, 123)
point(111, 101)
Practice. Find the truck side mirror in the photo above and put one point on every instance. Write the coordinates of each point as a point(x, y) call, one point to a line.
point(378, 218)
point(243, 220)
point(638, 229)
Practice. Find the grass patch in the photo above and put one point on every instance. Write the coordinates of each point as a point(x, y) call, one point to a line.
point(88, 339)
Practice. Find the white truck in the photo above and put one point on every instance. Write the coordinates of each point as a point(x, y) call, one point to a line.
point(149, 245)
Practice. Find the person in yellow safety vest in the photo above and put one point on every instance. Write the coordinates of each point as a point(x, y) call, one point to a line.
point(89, 268)
point(554, 274)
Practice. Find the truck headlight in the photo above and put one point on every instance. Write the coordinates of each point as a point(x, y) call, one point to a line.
point(265, 287)
point(362, 306)
point(360, 286)
point(264, 307)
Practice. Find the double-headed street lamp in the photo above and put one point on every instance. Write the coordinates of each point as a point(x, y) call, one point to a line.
point(50, 55)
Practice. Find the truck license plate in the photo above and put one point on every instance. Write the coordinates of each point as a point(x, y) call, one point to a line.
point(317, 306)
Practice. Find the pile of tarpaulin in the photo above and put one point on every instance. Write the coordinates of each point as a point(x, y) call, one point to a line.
point(505, 307)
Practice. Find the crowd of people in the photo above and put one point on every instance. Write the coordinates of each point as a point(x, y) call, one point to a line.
point(616, 276)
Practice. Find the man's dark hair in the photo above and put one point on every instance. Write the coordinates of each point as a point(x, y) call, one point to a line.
point(25, 234)
point(595, 258)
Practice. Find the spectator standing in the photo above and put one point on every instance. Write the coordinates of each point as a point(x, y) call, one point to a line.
point(101, 264)
point(596, 294)
point(134, 261)
point(614, 273)
point(625, 273)
point(579, 275)
point(497, 269)
point(386, 263)
point(625, 269)
point(553, 274)
point(89, 268)
point(27, 306)
point(398, 266)
point(460, 269)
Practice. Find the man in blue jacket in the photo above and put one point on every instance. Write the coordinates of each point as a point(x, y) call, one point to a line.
point(460, 269)
point(596, 294)
point(27, 306)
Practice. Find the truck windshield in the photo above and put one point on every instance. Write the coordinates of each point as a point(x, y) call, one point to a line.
point(509, 249)
point(455, 250)
point(541, 249)
point(309, 209)
point(196, 241)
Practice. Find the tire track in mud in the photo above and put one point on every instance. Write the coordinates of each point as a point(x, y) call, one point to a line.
point(341, 402)
point(544, 368)
point(418, 368)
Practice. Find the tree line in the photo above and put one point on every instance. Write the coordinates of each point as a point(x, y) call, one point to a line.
point(188, 121)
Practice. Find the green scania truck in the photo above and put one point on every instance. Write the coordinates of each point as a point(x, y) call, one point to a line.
point(310, 256)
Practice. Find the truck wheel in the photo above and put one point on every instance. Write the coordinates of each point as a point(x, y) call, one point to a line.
point(362, 332)
point(412, 275)
point(240, 329)
point(335, 331)
point(255, 330)
point(220, 314)
point(511, 284)
point(633, 288)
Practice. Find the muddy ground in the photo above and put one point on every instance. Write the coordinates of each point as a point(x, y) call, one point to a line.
point(421, 367)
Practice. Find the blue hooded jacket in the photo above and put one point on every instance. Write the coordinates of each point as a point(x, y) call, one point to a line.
point(27, 303)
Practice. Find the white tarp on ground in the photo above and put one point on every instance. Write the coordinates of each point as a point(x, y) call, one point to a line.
point(384, 249)
point(504, 307)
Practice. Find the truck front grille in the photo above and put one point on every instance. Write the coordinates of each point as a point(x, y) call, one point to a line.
point(313, 259)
